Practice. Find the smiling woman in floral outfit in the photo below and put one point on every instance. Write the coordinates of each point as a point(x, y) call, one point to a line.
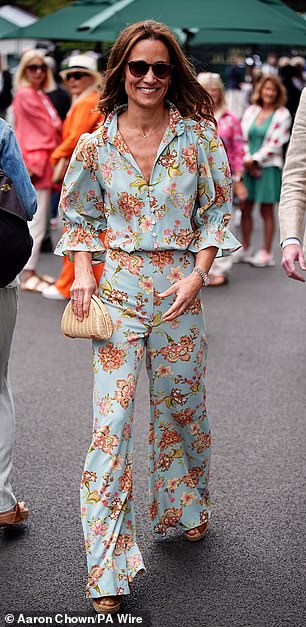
point(154, 176)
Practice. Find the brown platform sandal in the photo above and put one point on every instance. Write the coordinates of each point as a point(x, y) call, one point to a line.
point(101, 607)
point(200, 533)
point(14, 517)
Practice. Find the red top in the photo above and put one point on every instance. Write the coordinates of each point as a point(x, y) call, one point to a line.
point(38, 130)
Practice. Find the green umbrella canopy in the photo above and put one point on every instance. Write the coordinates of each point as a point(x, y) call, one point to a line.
point(62, 25)
point(217, 21)
point(7, 29)
point(281, 26)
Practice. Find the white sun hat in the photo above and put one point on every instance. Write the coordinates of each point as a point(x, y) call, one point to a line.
point(82, 63)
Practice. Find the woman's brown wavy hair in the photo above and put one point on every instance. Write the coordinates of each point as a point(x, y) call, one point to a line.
point(185, 92)
point(281, 97)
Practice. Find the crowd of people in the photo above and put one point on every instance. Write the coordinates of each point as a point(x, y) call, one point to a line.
point(254, 107)
point(146, 158)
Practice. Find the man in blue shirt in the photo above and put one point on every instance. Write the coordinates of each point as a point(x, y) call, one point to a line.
point(11, 163)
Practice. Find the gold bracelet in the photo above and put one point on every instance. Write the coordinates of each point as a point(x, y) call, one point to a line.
point(204, 276)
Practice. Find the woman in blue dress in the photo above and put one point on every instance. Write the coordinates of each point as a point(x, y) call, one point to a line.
point(155, 176)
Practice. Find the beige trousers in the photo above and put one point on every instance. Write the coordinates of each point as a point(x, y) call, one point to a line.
point(8, 311)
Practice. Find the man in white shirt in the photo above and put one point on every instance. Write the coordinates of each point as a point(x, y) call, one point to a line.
point(292, 206)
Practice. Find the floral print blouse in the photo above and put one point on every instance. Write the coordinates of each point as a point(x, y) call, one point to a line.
point(186, 204)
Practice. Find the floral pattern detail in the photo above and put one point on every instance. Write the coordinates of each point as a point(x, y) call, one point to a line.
point(179, 434)
point(87, 477)
point(93, 578)
point(85, 153)
point(104, 441)
point(170, 161)
point(190, 158)
point(129, 205)
point(161, 260)
point(184, 417)
point(178, 350)
point(125, 391)
point(104, 189)
point(170, 518)
point(111, 357)
point(133, 263)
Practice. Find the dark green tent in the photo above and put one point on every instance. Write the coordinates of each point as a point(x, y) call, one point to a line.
point(7, 29)
point(216, 21)
point(62, 25)
point(268, 22)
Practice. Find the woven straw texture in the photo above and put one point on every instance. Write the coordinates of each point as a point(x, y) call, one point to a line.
point(97, 326)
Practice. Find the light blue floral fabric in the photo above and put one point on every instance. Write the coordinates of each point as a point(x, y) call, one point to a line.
point(179, 433)
point(185, 206)
point(153, 232)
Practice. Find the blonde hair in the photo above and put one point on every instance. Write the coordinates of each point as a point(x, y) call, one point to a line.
point(26, 59)
point(210, 80)
point(190, 98)
point(281, 97)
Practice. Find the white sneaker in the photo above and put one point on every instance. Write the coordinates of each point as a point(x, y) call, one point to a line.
point(52, 293)
point(243, 255)
point(262, 259)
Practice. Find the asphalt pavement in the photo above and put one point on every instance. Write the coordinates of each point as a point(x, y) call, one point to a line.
point(249, 571)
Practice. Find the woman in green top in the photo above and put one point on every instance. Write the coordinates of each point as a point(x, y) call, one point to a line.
point(266, 127)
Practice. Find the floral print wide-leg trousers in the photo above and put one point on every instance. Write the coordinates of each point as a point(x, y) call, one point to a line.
point(179, 440)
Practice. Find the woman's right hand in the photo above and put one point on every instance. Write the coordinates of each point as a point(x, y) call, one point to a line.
point(83, 286)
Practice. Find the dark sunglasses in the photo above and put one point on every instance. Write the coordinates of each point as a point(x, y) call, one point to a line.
point(139, 69)
point(35, 68)
point(75, 75)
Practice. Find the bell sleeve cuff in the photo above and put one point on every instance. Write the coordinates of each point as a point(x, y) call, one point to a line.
point(78, 238)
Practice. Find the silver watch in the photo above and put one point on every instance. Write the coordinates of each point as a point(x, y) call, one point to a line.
point(204, 276)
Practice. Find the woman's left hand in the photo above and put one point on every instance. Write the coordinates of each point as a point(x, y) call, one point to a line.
point(187, 290)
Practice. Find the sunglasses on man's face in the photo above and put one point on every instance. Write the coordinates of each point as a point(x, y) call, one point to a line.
point(35, 68)
point(75, 75)
point(139, 69)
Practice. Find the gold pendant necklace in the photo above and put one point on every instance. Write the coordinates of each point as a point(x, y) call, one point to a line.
point(146, 135)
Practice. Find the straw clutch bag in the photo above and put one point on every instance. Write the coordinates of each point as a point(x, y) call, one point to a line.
point(98, 325)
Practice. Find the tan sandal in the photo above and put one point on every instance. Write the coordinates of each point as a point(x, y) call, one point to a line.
point(34, 284)
point(14, 517)
point(101, 607)
point(200, 533)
